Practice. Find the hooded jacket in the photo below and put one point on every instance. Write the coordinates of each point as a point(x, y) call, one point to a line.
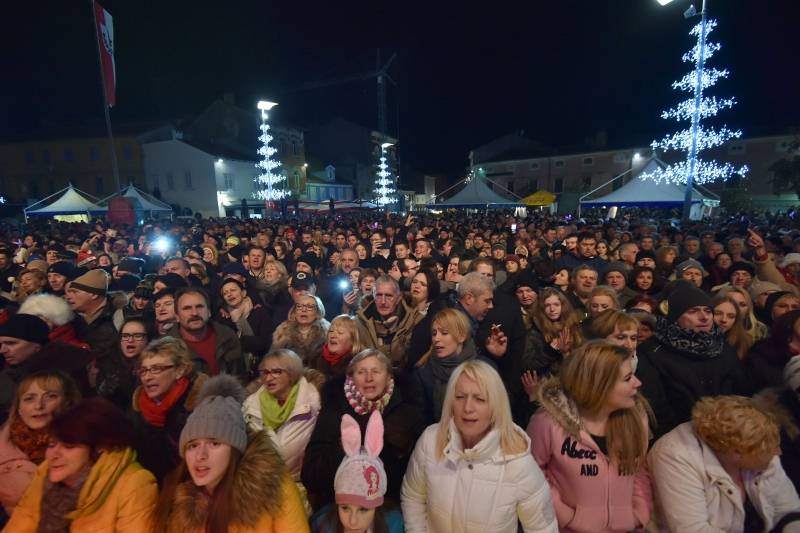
point(477, 490)
point(119, 495)
point(589, 493)
point(16, 471)
point(696, 495)
point(264, 497)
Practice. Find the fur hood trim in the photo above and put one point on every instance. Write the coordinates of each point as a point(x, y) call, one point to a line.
point(287, 335)
point(257, 489)
point(561, 408)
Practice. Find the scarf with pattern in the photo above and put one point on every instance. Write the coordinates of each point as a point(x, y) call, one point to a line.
point(698, 344)
point(360, 404)
point(31, 442)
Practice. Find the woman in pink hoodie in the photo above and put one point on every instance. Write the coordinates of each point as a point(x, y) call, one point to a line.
point(590, 439)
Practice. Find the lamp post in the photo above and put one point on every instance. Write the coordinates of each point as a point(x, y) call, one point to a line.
point(698, 98)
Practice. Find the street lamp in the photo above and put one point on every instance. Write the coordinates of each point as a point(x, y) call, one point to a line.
point(698, 98)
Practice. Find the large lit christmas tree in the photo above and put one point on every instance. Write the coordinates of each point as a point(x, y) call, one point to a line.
point(697, 137)
point(385, 193)
point(268, 179)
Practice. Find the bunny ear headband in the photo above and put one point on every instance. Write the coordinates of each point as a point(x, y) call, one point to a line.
point(361, 478)
point(351, 435)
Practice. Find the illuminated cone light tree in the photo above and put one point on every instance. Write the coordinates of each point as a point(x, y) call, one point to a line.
point(385, 191)
point(697, 138)
point(268, 179)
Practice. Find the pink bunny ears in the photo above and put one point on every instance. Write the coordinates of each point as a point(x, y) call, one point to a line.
point(351, 435)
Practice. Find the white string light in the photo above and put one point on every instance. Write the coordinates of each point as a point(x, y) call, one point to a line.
point(385, 192)
point(268, 179)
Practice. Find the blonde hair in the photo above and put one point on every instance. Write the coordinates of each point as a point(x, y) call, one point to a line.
point(568, 319)
point(588, 377)
point(736, 337)
point(214, 252)
point(289, 359)
point(491, 386)
point(609, 320)
point(750, 322)
point(366, 354)
point(455, 322)
point(317, 302)
point(735, 424)
point(604, 290)
point(47, 380)
point(280, 267)
point(349, 323)
point(173, 348)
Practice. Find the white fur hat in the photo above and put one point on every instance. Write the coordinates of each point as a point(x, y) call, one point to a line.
point(49, 307)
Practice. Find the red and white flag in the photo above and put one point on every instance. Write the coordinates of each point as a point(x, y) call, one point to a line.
point(105, 38)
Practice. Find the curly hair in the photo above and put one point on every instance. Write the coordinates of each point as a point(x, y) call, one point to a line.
point(735, 424)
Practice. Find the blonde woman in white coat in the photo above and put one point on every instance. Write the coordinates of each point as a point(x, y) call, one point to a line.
point(721, 471)
point(286, 406)
point(473, 471)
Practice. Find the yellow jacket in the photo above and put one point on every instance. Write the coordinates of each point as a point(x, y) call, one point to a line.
point(117, 496)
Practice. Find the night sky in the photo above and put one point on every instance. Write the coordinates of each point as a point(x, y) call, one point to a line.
point(466, 72)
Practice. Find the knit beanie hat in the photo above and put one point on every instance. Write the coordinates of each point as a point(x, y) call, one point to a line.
point(218, 414)
point(29, 328)
point(173, 280)
point(791, 374)
point(772, 299)
point(361, 479)
point(643, 254)
point(690, 263)
point(616, 266)
point(127, 283)
point(741, 265)
point(95, 281)
point(310, 259)
point(63, 268)
point(684, 298)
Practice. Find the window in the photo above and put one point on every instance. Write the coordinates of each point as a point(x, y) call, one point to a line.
point(69, 156)
point(94, 153)
point(559, 163)
point(29, 157)
point(588, 161)
point(586, 182)
point(295, 148)
point(170, 182)
point(228, 181)
point(282, 148)
point(98, 184)
point(127, 152)
point(534, 166)
point(736, 149)
point(558, 186)
point(46, 156)
point(154, 179)
point(187, 179)
point(534, 184)
point(621, 158)
point(510, 186)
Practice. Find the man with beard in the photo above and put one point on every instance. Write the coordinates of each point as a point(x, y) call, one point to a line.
point(583, 280)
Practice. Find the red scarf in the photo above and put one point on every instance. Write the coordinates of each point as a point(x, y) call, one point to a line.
point(31, 442)
point(154, 413)
point(332, 358)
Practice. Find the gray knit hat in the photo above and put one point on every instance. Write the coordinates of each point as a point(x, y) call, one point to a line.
point(218, 414)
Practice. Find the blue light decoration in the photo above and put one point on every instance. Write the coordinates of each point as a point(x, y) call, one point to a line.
point(697, 138)
point(385, 193)
point(267, 179)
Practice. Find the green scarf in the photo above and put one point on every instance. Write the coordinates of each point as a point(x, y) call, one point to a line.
point(273, 414)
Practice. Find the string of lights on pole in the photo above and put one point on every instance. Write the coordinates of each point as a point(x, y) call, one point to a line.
point(385, 193)
point(697, 137)
point(268, 179)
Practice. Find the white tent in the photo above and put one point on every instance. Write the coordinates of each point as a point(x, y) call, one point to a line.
point(71, 201)
point(476, 194)
point(142, 201)
point(640, 192)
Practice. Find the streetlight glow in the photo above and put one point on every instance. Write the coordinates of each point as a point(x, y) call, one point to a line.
point(266, 105)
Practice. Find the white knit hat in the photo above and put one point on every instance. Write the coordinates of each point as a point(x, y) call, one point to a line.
point(361, 479)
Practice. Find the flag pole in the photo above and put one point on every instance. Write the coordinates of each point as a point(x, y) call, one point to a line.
point(114, 164)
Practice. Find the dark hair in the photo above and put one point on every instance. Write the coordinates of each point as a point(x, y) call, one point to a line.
point(183, 291)
point(645, 299)
point(234, 281)
point(166, 291)
point(432, 281)
point(473, 266)
point(94, 422)
point(148, 328)
point(332, 523)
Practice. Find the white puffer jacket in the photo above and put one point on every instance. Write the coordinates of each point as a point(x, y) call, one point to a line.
point(478, 490)
point(292, 437)
point(694, 494)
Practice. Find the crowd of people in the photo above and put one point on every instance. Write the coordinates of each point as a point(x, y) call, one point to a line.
point(385, 373)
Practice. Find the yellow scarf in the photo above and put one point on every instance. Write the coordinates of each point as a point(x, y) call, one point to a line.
point(273, 414)
point(102, 477)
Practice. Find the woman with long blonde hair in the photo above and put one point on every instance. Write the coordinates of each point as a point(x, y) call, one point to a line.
point(556, 331)
point(590, 437)
point(755, 328)
point(729, 318)
point(476, 444)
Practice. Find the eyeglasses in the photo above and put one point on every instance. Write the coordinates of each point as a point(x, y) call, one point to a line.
point(305, 307)
point(271, 372)
point(154, 370)
point(132, 336)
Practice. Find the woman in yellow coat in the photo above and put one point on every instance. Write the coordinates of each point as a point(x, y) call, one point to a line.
point(90, 480)
point(228, 481)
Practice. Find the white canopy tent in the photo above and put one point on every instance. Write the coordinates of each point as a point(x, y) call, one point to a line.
point(646, 193)
point(477, 195)
point(142, 201)
point(72, 203)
